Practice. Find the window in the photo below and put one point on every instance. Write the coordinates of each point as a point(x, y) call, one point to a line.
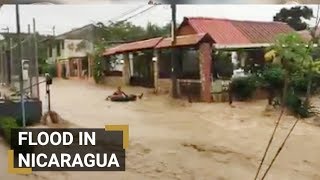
point(190, 63)
point(62, 45)
point(58, 49)
point(50, 50)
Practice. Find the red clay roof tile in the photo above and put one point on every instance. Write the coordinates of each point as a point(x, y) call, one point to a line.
point(184, 40)
point(225, 31)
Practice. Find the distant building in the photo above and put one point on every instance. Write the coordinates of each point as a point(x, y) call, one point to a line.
point(71, 50)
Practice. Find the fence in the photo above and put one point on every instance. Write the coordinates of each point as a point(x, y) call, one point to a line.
point(12, 65)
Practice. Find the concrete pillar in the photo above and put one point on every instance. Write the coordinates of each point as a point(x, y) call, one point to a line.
point(79, 67)
point(90, 64)
point(71, 70)
point(59, 69)
point(67, 64)
point(131, 63)
point(155, 60)
point(205, 62)
point(126, 69)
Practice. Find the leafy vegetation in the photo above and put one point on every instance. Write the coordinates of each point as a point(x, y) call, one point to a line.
point(98, 63)
point(125, 31)
point(272, 76)
point(244, 87)
point(223, 66)
point(6, 124)
point(49, 68)
point(295, 58)
point(296, 105)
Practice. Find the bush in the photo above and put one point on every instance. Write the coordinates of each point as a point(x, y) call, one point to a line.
point(273, 76)
point(297, 106)
point(6, 124)
point(244, 87)
point(29, 120)
point(50, 68)
point(300, 84)
point(98, 70)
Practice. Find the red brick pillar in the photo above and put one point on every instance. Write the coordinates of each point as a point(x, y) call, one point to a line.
point(205, 62)
point(126, 69)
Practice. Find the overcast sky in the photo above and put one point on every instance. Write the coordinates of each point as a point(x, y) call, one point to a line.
point(66, 17)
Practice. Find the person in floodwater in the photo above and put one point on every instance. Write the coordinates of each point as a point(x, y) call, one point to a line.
point(120, 94)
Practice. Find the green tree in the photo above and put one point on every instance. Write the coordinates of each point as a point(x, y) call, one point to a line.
point(294, 17)
point(295, 57)
point(153, 30)
point(98, 62)
point(119, 32)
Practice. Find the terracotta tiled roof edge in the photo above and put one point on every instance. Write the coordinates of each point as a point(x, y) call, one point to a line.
point(234, 20)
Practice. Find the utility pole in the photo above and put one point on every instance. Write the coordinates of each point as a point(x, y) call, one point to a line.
point(36, 56)
point(173, 57)
point(54, 30)
point(20, 66)
point(31, 64)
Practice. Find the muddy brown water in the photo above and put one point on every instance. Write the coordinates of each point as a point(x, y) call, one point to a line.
point(172, 139)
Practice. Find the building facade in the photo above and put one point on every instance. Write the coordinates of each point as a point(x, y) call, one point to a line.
point(71, 52)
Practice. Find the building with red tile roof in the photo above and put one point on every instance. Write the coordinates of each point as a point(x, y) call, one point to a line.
point(197, 38)
point(234, 32)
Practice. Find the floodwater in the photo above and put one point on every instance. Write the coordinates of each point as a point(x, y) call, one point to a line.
point(173, 139)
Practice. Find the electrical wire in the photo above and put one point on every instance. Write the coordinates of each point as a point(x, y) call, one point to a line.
point(126, 13)
point(269, 143)
point(143, 11)
point(117, 18)
point(280, 148)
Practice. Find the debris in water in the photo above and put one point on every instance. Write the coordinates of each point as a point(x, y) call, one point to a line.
point(51, 117)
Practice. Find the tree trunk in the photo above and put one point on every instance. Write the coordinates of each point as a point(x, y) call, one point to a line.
point(285, 89)
point(308, 94)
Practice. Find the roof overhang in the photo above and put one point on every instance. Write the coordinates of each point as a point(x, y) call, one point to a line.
point(241, 46)
point(185, 40)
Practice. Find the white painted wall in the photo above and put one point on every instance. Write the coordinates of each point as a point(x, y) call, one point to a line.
point(51, 59)
point(70, 49)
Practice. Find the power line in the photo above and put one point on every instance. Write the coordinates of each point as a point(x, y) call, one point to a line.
point(145, 10)
point(117, 18)
point(280, 148)
point(126, 13)
point(269, 143)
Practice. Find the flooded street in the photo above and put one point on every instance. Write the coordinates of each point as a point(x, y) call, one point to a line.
point(178, 140)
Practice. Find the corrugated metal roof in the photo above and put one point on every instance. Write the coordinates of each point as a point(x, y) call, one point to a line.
point(184, 40)
point(225, 31)
point(137, 45)
point(262, 32)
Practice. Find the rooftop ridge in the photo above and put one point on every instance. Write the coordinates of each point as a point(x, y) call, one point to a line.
point(233, 20)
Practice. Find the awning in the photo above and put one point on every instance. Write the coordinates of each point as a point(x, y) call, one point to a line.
point(133, 46)
point(241, 46)
point(185, 40)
